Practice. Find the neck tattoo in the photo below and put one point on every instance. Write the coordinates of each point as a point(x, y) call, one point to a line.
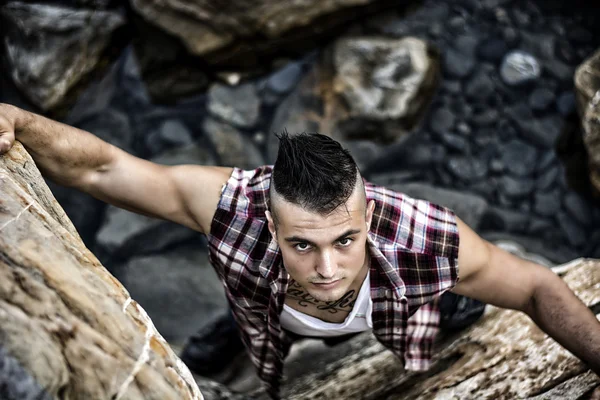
point(301, 297)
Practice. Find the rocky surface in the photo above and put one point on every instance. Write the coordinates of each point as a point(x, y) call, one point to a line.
point(210, 27)
point(69, 329)
point(50, 48)
point(587, 80)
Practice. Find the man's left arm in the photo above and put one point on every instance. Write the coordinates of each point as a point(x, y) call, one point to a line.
point(492, 275)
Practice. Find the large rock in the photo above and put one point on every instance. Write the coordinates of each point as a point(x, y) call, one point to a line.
point(50, 48)
point(361, 89)
point(384, 79)
point(587, 82)
point(218, 31)
point(66, 324)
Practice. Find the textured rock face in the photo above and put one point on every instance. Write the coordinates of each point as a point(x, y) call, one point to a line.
point(587, 80)
point(64, 319)
point(50, 48)
point(384, 79)
point(207, 26)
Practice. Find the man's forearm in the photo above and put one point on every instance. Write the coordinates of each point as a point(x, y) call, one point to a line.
point(556, 309)
point(63, 153)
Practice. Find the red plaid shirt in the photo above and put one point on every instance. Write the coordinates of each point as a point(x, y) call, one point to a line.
point(413, 245)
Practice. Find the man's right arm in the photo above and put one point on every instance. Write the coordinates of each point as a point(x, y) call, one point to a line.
point(185, 194)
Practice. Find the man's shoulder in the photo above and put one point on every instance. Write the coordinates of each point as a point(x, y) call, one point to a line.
point(411, 224)
point(246, 192)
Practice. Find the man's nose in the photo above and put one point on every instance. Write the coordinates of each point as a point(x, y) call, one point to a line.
point(326, 265)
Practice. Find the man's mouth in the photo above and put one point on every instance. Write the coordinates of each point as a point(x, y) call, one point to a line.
point(326, 285)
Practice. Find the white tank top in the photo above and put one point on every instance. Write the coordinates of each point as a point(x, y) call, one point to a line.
point(358, 320)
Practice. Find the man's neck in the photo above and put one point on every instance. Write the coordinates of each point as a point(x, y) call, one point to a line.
point(299, 299)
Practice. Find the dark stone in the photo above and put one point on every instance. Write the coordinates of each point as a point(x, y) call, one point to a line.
point(232, 147)
point(485, 118)
point(547, 204)
point(542, 132)
point(578, 208)
point(49, 48)
point(541, 99)
point(547, 179)
point(501, 219)
point(519, 67)
point(456, 64)
point(453, 87)
point(506, 130)
point(519, 158)
point(486, 188)
point(548, 158)
point(540, 225)
point(463, 128)
point(572, 231)
point(563, 72)
point(285, 79)
point(214, 346)
point(579, 35)
point(441, 121)
point(466, 44)
point(496, 166)
point(16, 383)
point(511, 36)
point(455, 142)
point(565, 52)
point(169, 134)
point(188, 296)
point(521, 18)
point(239, 106)
point(592, 249)
point(480, 86)
point(492, 50)
point(467, 169)
point(515, 188)
point(566, 104)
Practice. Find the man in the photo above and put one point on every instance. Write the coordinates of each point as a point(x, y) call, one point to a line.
point(307, 248)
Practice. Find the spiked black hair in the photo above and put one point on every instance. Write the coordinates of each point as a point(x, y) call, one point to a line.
point(313, 171)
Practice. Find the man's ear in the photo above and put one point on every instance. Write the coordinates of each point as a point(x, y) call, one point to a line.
point(369, 216)
point(271, 224)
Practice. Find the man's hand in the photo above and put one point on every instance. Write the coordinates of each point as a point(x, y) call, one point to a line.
point(185, 194)
point(7, 130)
point(492, 275)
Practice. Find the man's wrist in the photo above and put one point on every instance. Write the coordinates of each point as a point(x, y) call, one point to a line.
point(17, 116)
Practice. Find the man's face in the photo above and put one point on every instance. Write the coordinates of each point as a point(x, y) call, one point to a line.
point(324, 254)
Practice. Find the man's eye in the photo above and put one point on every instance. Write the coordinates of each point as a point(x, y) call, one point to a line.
point(302, 246)
point(345, 242)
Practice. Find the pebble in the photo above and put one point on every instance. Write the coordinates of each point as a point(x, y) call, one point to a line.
point(566, 104)
point(519, 67)
point(578, 208)
point(515, 187)
point(519, 158)
point(572, 231)
point(285, 79)
point(492, 50)
point(442, 121)
point(456, 64)
point(541, 99)
point(547, 179)
point(547, 204)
